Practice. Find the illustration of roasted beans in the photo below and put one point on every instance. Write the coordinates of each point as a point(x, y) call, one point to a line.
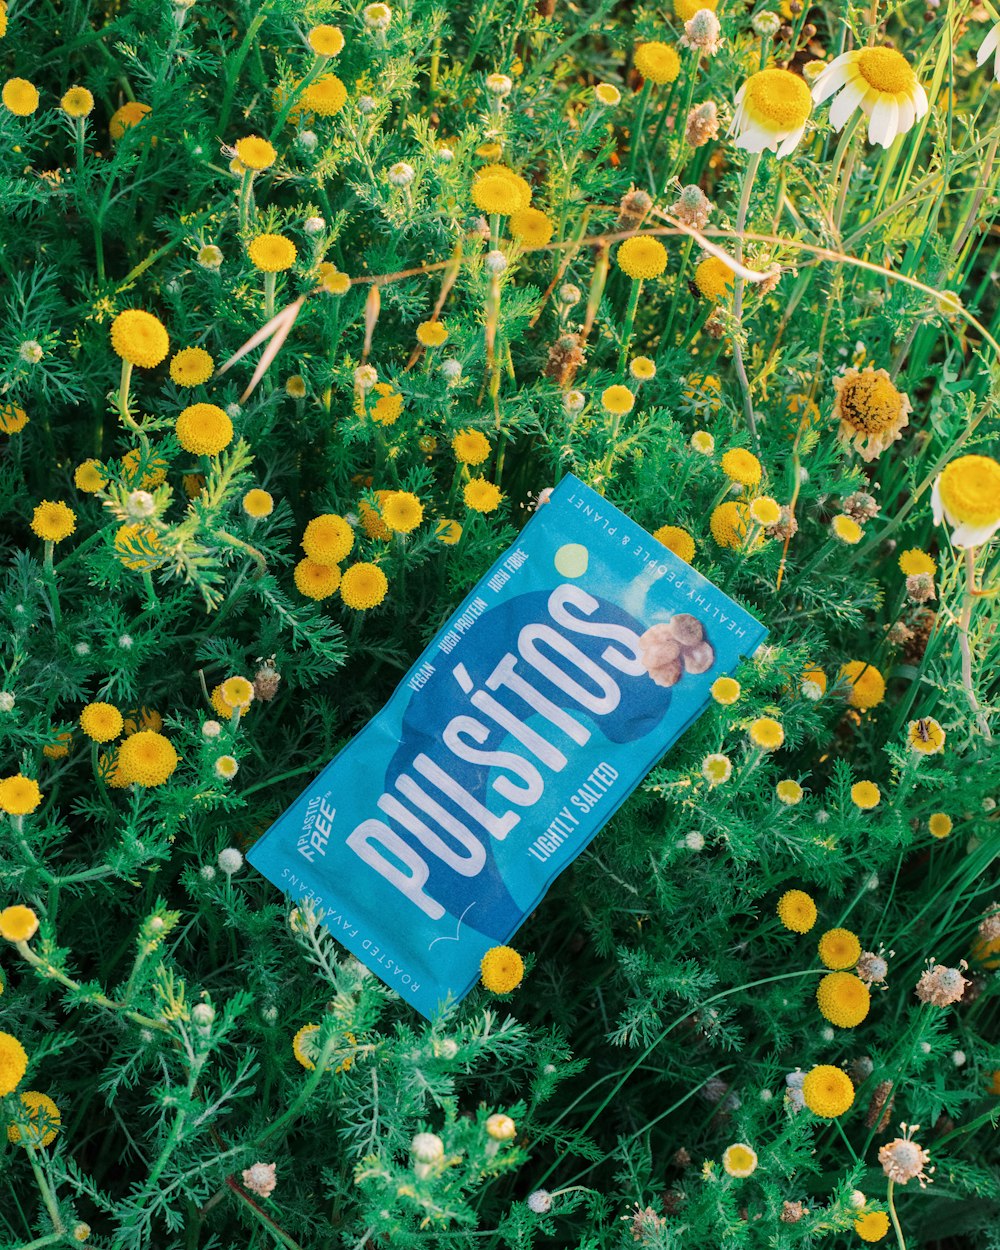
point(674, 647)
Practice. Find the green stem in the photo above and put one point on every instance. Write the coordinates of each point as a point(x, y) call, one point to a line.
point(102, 788)
point(678, 287)
point(965, 645)
point(296, 95)
point(275, 1229)
point(246, 199)
point(894, 1217)
point(741, 220)
point(274, 781)
point(681, 124)
point(152, 601)
point(633, 303)
point(640, 120)
point(122, 398)
point(51, 1240)
point(305, 1093)
point(52, 973)
point(48, 1197)
point(50, 578)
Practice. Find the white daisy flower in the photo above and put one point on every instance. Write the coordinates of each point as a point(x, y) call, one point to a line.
point(966, 495)
point(772, 108)
point(881, 83)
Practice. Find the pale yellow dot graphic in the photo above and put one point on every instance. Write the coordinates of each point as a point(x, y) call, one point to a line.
point(571, 560)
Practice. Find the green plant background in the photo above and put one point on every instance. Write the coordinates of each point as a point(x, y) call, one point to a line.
point(663, 1003)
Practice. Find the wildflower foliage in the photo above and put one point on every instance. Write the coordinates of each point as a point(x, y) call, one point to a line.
point(305, 304)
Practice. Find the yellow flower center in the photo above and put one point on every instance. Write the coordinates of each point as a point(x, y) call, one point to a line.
point(684, 10)
point(739, 1160)
point(970, 490)
point(940, 824)
point(886, 70)
point(778, 99)
point(714, 278)
point(914, 561)
point(869, 403)
point(657, 61)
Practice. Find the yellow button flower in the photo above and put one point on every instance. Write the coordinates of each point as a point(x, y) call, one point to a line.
point(101, 722)
point(20, 96)
point(657, 62)
point(13, 1063)
point(77, 102)
point(130, 114)
point(531, 227)
point(272, 253)
point(871, 410)
point(470, 447)
point(797, 911)
point(363, 586)
point(827, 1091)
point(867, 685)
point(192, 366)
point(18, 923)
point(53, 522)
point(139, 338)
point(866, 795)
point(481, 495)
point(714, 278)
point(843, 999)
point(42, 1116)
point(680, 542)
point(316, 581)
point(204, 429)
point(501, 969)
point(326, 40)
point(328, 539)
point(146, 759)
point(402, 511)
point(642, 257)
point(839, 949)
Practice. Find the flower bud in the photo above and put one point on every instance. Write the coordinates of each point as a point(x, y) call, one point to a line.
point(427, 1148)
point(501, 1127)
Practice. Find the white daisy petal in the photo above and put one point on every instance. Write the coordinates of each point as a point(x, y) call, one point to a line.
point(907, 112)
point(790, 142)
point(973, 535)
point(754, 139)
point(884, 121)
point(845, 104)
point(830, 80)
point(990, 44)
point(937, 508)
point(920, 101)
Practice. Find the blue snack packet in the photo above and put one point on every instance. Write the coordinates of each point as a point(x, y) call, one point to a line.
point(567, 672)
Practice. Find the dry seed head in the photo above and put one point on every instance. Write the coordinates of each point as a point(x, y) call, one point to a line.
point(692, 207)
point(703, 32)
point(702, 124)
point(632, 209)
